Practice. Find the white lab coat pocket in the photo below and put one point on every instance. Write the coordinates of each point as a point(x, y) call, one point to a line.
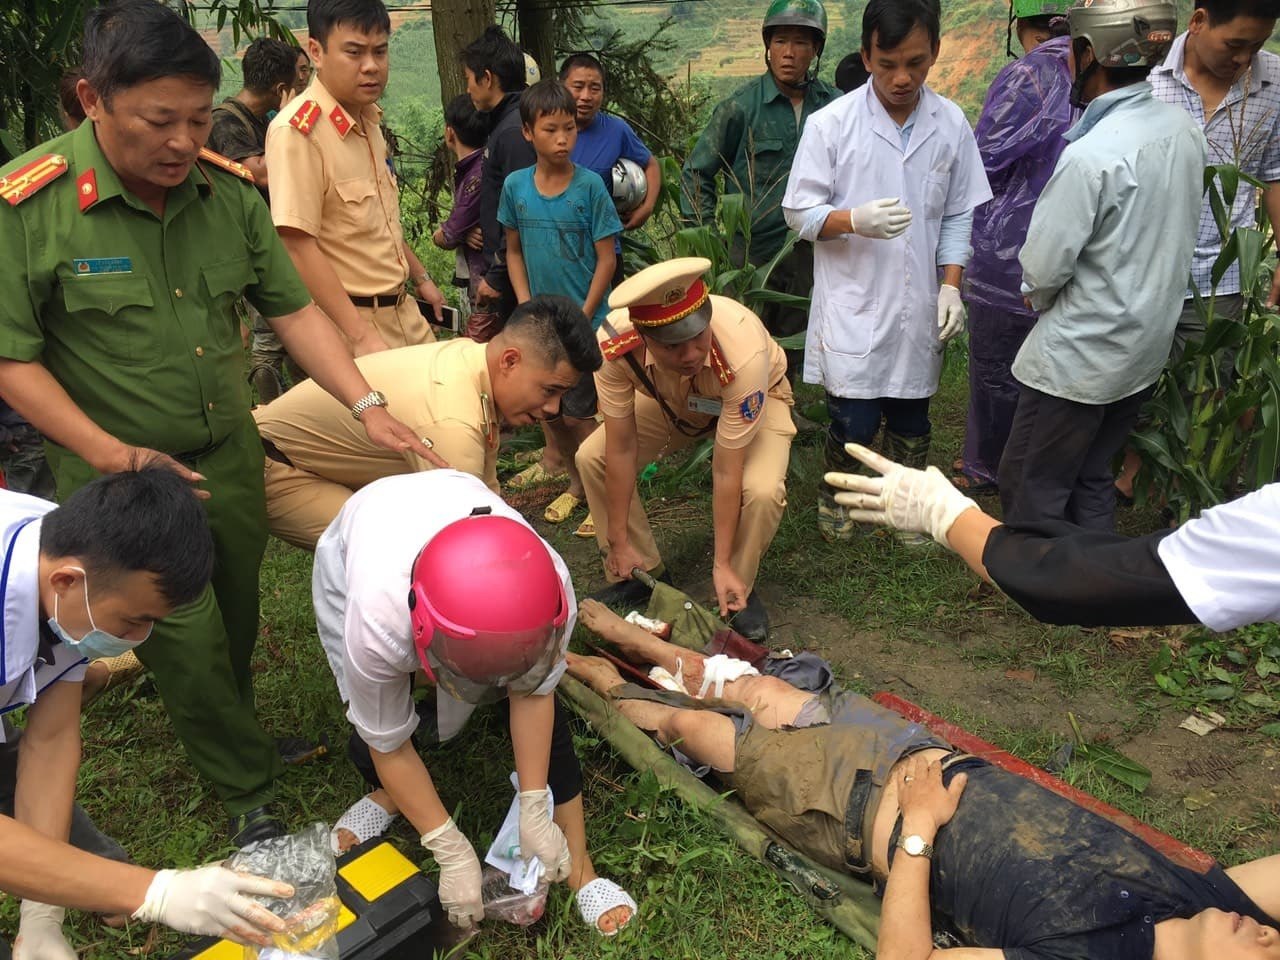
point(848, 325)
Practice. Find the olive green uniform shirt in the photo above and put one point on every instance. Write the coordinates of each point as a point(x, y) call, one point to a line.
point(751, 138)
point(132, 313)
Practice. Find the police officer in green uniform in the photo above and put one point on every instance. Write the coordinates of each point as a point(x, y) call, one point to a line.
point(751, 139)
point(125, 246)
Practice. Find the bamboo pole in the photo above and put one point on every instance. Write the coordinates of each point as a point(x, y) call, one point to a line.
point(846, 903)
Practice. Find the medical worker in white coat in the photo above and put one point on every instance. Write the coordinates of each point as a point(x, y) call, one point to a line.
point(885, 180)
point(85, 580)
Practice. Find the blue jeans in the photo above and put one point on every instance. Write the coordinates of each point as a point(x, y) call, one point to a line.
point(857, 421)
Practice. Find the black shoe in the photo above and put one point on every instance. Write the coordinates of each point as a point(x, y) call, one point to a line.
point(266, 382)
point(295, 751)
point(257, 824)
point(752, 621)
point(628, 594)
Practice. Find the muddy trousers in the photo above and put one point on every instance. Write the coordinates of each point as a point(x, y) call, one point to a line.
point(1057, 464)
point(764, 483)
point(199, 655)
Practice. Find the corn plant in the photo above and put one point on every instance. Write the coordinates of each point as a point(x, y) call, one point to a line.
point(1215, 426)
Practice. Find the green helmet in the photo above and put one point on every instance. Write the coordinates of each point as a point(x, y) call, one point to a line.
point(1040, 8)
point(1126, 33)
point(796, 13)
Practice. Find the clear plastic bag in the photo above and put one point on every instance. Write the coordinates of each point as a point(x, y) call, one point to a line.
point(305, 860)
point(504, 902)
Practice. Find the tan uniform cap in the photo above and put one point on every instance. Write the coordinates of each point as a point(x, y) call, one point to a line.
point(666, 301)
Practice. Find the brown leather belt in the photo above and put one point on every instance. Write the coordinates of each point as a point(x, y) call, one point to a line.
point(379, 300)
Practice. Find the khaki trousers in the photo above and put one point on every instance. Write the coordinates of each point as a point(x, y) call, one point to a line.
point(764, 483)
point(300, 504)
point(402, 325)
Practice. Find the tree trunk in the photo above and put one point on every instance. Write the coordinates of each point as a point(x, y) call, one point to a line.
point(535, 20)
point(455, 24)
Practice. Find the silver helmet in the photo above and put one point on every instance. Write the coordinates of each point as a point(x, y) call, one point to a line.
point(628, 187)
point(1125, 33)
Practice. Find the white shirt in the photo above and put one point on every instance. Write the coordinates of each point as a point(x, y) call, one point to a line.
point(873, 319)
point(360, 586)
point(1226, 562)
point(24, 675)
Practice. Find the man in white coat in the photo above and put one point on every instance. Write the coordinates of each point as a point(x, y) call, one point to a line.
point(886, 179)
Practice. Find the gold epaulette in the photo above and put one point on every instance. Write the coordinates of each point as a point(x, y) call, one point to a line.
point(720, 365)
point(305, 117)
point(621, 345)
point(27, 181)
point(227, 164)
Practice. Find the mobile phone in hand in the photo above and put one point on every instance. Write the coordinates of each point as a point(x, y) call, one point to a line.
point(450, 317)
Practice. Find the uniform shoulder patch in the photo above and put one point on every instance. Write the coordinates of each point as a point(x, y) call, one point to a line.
point(28, 180)
point(621, 345)
point(751, 406)
point(720, 365)
point(305, 117)
point(227, 164)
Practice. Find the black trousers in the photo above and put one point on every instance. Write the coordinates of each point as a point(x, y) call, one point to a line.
point(1057, 463)
point(564, 774)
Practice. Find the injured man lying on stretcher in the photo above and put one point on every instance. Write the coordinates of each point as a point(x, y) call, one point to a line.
point(1013, 866)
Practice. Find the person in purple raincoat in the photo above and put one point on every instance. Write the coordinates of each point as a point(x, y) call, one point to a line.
point(1020, 137)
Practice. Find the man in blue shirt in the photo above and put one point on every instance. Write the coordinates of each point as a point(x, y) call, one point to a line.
point(1105, 264)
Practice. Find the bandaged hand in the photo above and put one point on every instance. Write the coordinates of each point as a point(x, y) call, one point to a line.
point(881, 219)
point(459, 874)
point(922, 501)
point(950, 313)
point(213, 901)
point(40, 933)
point(540, 837)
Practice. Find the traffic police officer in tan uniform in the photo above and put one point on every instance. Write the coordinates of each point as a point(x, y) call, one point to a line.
point(681, 365)
point(455, 393)
point(126, 246)
point(336, 208)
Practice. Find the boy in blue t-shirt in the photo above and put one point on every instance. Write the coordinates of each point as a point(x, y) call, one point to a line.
point(560, 224)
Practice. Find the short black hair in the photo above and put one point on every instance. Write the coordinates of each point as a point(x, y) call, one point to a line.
point(851, 72)
point(128, 42)
point(1224, 11)
point(560, 329)
point(496, 53)
point(468, 124)
point(888, 22)
point(577, 61)
point(367, 16)
point(269, 62)
point(145, 519)
point(544, 97)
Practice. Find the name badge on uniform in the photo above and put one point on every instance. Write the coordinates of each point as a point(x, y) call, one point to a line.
point(711, 406)
point(92, 266)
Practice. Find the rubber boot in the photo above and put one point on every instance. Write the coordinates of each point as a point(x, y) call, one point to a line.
point(266, 382)
point(834, 522)
point(910, 452)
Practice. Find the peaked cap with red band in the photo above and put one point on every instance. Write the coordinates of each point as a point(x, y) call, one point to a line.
point(665, 301)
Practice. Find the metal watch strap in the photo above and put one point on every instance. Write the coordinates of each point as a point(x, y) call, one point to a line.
point(925, 851)
point(373, 398)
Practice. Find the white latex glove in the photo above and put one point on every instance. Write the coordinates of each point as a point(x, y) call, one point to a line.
point(922, 501)
point(950, 312)
point(40, 933)
point(881, 219)
point(459, 874)
point(213, 901)
point(540, 837)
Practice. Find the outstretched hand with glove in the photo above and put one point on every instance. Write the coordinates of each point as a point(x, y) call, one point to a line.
point(215, 902)
point(540, 837)
point(921, 501)
point(881, 219)
point(460, 883)
point(950, 312)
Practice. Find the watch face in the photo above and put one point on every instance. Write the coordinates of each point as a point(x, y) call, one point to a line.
point(913, 845)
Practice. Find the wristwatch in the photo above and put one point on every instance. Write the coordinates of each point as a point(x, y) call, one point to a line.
point(374, 398)
point(915, 846)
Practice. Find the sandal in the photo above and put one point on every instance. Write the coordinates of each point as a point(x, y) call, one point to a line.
point(962, 481)
point(597, 898)
point(364, 819)
point(527, 457)
point(107, 674)
point(561, 508)
point(586, 529)
point(532, 475)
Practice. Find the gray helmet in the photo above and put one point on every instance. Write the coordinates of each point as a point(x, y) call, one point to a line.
point(628, 187)
point(796, 13)
point(1125, 33)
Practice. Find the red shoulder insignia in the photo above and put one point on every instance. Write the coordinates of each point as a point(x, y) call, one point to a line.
point(26, 181)
point(341, 122)
point(621, 345)
point(305, 117)
point(720, 365)
point(87, 189)
point(227, 164)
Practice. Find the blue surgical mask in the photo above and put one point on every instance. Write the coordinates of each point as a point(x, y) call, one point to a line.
point(95, 644)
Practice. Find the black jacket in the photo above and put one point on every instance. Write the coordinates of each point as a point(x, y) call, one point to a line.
point(505, 152)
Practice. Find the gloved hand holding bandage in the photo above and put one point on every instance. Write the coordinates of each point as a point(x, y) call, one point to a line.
point(460, 884)
point(921, 501)
point(540, 837)
point(881, 219)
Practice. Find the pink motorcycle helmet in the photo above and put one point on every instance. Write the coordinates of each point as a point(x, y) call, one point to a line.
point(487, 606)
